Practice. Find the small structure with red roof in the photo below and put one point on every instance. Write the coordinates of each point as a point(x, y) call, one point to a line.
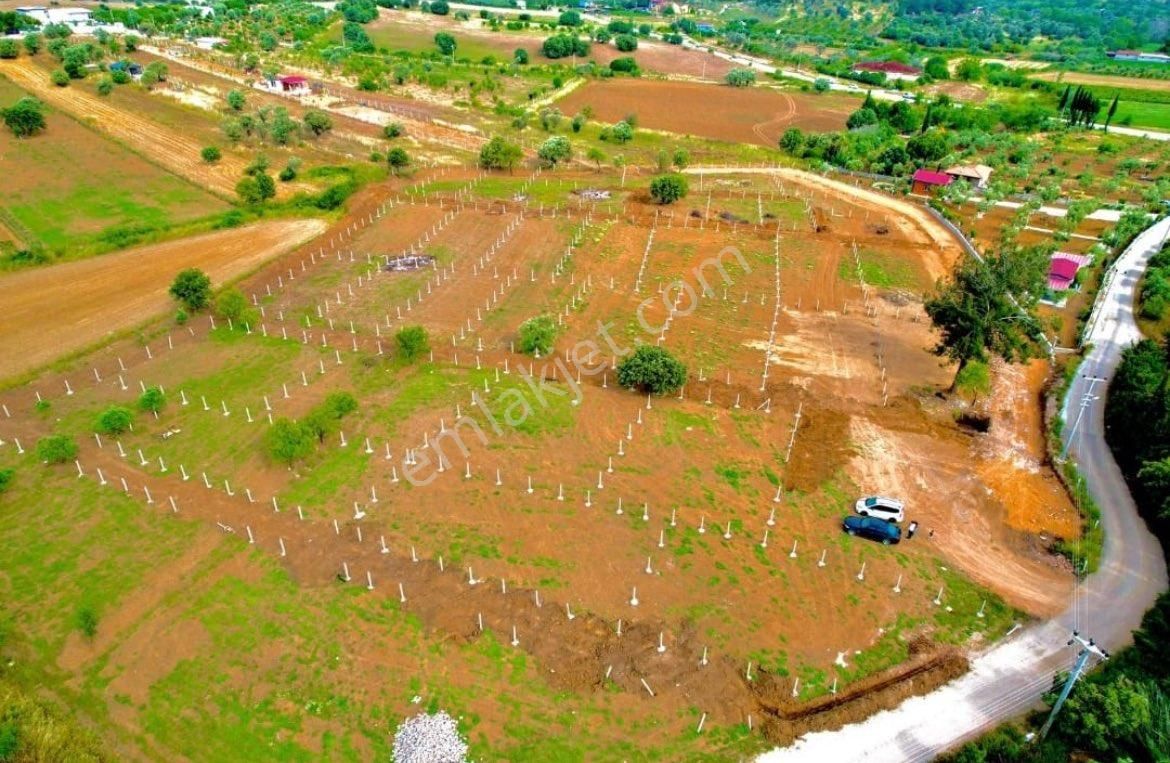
point(925, 181)
point(292, 83)
point(1063, 268)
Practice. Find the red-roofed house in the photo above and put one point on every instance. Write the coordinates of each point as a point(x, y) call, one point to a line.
point(293, 83)
point(1062, 270)
point(925, 181)
point(892, 69)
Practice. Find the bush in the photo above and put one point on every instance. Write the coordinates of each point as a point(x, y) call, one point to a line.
point(87, 621)
point(537, 335)
point(652, 369)
point(211, 154)
point(413, 342)
point(520, 56)
point(625, 65)
point(114, 420)
point(740, 77)
point(563, 46)
point(392, 130)
point(499, 154)
point(667, 189)
point(626, 43)
point(555, 150)
point(440, 8)
point(59, 78)
point(232, 305)
point(6, 477)
point(152, 400)
point(56, 449)
point(317, 122)
point(822, 85)
point(105, 86)
point(288, 441)
point(192, 288)
point(397, 158)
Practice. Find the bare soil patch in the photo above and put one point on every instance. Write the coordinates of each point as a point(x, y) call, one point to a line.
point(749, 115)
point(94, 298)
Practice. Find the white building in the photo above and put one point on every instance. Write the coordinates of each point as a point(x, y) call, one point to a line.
point(74, 18)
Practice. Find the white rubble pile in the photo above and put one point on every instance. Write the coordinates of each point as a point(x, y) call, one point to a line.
point(429, 738)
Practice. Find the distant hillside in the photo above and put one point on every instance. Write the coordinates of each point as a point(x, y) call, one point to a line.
point(1108, 24)
point(985, 24)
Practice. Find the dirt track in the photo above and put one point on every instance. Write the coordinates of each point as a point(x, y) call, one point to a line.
point(174, 151)
point(122, 290)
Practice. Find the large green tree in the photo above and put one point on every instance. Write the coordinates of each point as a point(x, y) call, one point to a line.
point(989, 308)
point(499, 154)
point(192, 287)
point(652, 369)
point(25, 117)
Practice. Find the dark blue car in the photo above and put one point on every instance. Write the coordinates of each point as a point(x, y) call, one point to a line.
point(872, 528)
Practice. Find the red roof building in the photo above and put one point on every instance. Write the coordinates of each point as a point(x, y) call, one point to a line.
point(293, 82)
point(1062, 270)
point(925, 181)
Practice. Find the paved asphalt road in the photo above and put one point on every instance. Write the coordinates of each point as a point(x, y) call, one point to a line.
point(1011, 676)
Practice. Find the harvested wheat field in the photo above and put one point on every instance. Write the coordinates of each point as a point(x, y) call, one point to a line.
point(96, 298)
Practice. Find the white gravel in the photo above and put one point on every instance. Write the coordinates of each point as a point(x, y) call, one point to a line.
point(429, 738)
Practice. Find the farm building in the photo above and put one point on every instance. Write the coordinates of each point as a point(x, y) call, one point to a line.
point(892, 69)
point(925, 181)
point(978, 175)
point(74, 18)
point(1062, 270)
point(293, 83)
point(1139, 55)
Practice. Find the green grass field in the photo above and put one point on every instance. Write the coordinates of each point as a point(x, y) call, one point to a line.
point(71, 188)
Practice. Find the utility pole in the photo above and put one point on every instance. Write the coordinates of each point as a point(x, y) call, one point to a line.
point(1088, 649)
point(1086, 400)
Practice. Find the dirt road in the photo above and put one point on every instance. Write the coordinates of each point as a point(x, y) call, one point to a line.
point(53, 311)
point(174, 151)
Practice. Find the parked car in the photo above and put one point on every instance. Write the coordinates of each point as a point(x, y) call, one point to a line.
point(873, 528)
point(889, 509)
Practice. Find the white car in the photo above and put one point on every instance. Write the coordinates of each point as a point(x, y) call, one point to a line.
point(889, 509)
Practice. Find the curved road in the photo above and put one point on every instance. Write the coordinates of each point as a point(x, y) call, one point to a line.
point(1011, 676)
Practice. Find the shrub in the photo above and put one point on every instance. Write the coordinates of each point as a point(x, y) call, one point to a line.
point(6, 477)
point(412, 342)
point(624, 65)
point(59, 78)
point(499, 154)
point(740, 77)
point(652, 369)
point(232, 305)
point(392, 130)
point(537, 335)
point(114, 420)
point(555, 150)
point(192, 288)
point(288, 441)
point(563, 46)
point(667, 189)
point(626, 43)
point(56, 449)
point(152, 400)
point(211, 154)
point(87, 621)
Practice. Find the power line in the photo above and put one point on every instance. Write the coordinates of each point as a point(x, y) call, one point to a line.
point(1088, 649)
